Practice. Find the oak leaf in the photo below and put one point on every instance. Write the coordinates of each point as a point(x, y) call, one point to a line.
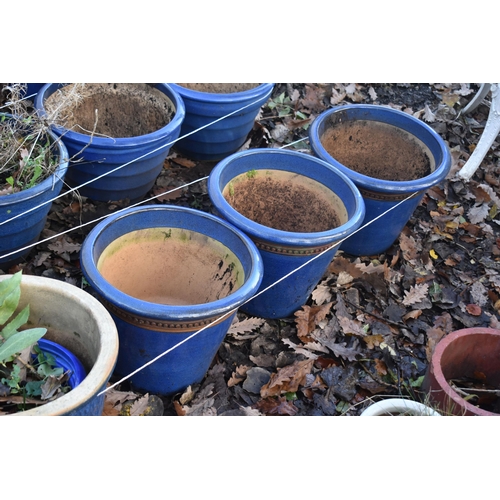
point(287, 379)
point(322, 293)
point(416, 294)
point(244, 326)
point(238, 375)
point(308, 317)
point(276, 406)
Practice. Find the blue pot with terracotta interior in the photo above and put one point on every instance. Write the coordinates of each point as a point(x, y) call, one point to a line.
point(297, 209)
point(208, 102)
point(392, 157)
point(135, 126)
point(23, 213)
point(172, 279)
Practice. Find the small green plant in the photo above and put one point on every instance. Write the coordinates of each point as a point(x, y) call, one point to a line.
point(285, 107)
point(26, 154)
point(25, 371)
point(251, 174)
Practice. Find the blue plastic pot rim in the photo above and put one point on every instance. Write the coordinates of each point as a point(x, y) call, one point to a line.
point(47, 183)
point(121, 142)
point(380, 185)
point(161, 311)
point(233, 97)
point(276, 236)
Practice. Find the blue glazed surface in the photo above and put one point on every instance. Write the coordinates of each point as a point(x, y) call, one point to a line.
point(65, 359)
point(283, 299)
point(26, 229)
point(226, 136)
point(104, 155)
point(187, 364)
point(381, 234)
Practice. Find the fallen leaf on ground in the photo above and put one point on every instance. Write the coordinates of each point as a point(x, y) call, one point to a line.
point(287, 379)
point(308, 318)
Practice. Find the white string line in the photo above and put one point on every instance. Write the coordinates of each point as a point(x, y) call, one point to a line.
point(100, 218)
point(194, 334)
point(125, 164)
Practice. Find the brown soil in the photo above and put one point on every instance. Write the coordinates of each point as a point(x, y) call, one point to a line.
point(378, 150)
point(170, 266)
point(283, 202)
point(219, 88)
point(123, 109)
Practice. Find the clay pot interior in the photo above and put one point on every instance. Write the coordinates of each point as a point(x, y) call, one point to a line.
point(219, 88)
point(171, 266)
point(378, 150)
point(123, 109)
point(285, 201)
point(473, 356)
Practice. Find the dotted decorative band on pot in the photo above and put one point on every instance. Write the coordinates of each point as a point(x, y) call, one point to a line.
point(292, 185)
point(161, 326)
point(166, 273)
point(122, 166)
point(350, 137)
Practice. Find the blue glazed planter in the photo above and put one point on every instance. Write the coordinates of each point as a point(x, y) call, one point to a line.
point(284, 251)
point(22, 230)
point(143, 155)
point(65, 359)
point(380, 195)
point(78, 322)
point(165, 273)
point(226, 136)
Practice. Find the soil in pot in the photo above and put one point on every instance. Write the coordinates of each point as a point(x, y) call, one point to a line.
point(124, 109)
point(378, 150)
point(219, 88)
point(285, 201)
point(151, 258)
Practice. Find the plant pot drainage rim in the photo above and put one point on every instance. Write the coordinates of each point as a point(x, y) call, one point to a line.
point(157, 311)
point(234, 97)
point(398, 119)
point(121, 142)
point(439, 376)
point(261, 232)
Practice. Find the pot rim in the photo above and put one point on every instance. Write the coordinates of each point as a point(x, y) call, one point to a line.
point(181, 313)
point(48, 183)
point(437, 371)
point(119, 142)
point(266, 233)
point(386, 115)
point(232, 97)
point(399, 405)
point(108, 350)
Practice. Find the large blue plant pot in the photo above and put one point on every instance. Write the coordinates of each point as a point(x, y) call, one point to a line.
point(23, 214)
point(79, 323)
point(166, 274)
point(381, 195)
point(284, 251)
point(97, 164)
point(226, 136)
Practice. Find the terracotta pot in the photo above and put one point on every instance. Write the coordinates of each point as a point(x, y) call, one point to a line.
point(399, 407)
point(77, 321)
point(472, 353)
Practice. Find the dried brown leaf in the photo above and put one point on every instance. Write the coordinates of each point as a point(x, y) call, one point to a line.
point(308, 317)
point(245, 326)
point(238, 375)
point(287, 379)
point(322, 293)
point(139, 406)
point(276, 406)
point(416, 294)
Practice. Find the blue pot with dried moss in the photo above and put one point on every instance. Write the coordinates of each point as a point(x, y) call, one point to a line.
point(117, 135)
point(391, 156)
point(201, 139)
point(172, 279)
point(23, 212)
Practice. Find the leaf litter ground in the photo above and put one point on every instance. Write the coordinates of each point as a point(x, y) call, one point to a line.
point(369, 328)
